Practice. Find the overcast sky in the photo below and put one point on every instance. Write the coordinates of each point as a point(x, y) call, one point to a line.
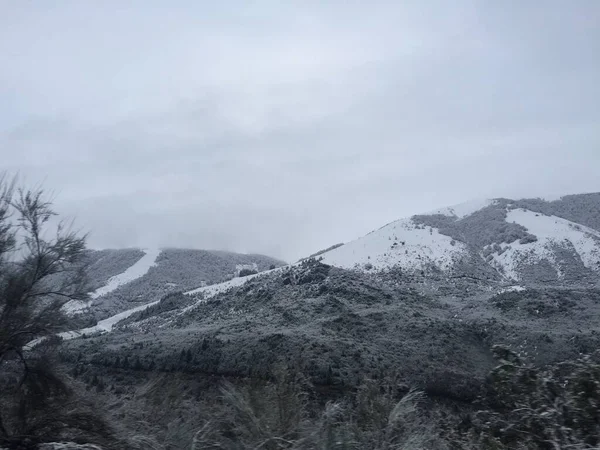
point(284, 127)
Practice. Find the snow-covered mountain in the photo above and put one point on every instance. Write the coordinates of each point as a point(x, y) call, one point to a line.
point(524, 241)
point(422, 298)
point(497, 245)
point(127, 278)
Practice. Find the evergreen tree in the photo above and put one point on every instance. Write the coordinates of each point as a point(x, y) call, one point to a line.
point(41, 268)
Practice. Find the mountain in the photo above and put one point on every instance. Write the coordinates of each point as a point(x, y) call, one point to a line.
point(529, 241)
point(488, 246)
point(418, 304)
point(496, 242)
point(474, 252)
point(127, 278)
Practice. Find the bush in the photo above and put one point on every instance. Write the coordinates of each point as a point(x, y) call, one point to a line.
point(541, 408)
point(279, 414)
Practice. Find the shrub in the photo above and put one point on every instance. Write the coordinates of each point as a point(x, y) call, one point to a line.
point(542, 408)
point(277, 415)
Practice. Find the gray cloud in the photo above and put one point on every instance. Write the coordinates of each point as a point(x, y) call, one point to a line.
point(283, 129)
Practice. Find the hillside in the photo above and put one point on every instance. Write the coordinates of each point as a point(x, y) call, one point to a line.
point(342, 330)
point(485, 247)
point(419, 303)
point(529, 241)
point(127, 278)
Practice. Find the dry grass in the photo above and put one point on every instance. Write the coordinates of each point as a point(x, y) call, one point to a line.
point(277, 416)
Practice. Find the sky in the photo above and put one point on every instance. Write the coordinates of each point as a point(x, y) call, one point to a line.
point(285, 127)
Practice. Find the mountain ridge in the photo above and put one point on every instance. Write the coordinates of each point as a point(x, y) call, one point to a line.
point(407, 320)
point(486, 246)
point(123, 279)
point(483, 231)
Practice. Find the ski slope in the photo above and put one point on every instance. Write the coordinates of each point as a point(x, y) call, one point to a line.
point(106, 325)
point(137, 270)
point(103, 326)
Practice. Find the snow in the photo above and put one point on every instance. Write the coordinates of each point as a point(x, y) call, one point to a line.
point(550, 231)
point(73, 307)
point(240, 267)
point(214, 289)
point(103, 326)
point(463, 210)
point(402, 243)
point(137, 270)
point(515, 288)
point(106, 325)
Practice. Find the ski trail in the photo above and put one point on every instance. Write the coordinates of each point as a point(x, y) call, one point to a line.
point(137, 270)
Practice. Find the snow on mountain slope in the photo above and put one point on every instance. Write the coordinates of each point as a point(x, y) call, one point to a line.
point(529, 241)
point(214, 289)
point(551, 232)
point(465, 209)
point(401, 243)
point(137, 270)
point(105, 325)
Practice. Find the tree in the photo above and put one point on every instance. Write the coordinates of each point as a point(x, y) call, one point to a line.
point(41, 268)
point(38, 275)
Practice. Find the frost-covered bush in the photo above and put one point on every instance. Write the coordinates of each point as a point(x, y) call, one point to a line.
point(542, 408)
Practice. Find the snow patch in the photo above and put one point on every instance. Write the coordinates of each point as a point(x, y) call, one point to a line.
point(138, 270)
point(551, 231)
point(402, 243)
point(515, 288)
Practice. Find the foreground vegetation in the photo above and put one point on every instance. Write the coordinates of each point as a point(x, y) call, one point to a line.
point(519, 407)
